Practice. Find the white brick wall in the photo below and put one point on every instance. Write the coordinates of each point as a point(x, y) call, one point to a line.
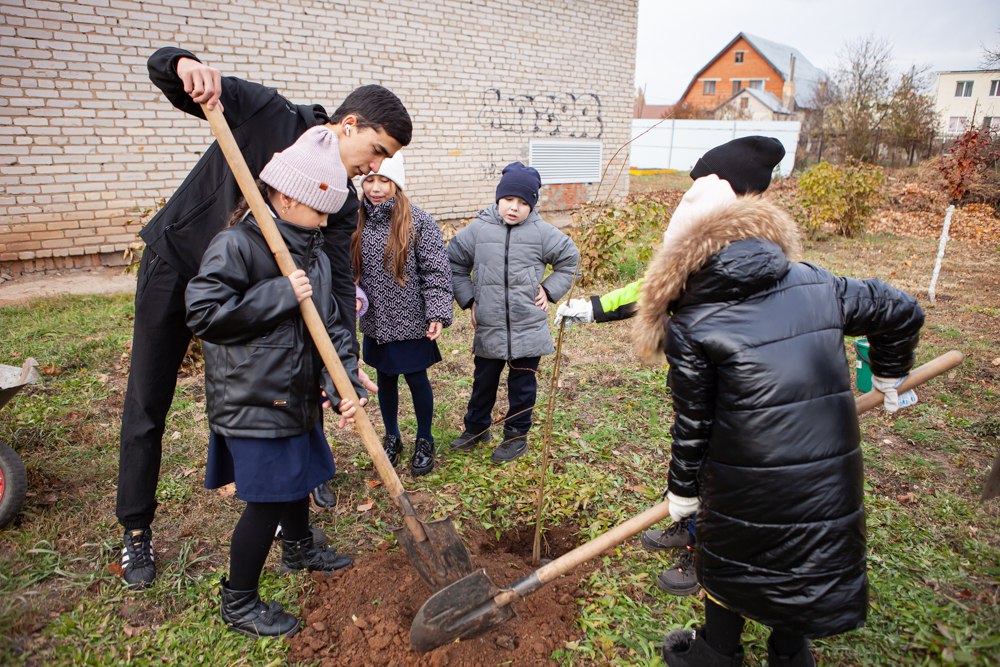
point(86, 140)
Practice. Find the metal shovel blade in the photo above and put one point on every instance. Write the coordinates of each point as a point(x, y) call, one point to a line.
point(441, 559)
point(462, 610)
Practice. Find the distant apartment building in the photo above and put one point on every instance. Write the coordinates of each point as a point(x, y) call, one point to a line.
point(968, 97)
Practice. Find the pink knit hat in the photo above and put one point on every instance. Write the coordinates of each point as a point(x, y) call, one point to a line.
point(310, 171)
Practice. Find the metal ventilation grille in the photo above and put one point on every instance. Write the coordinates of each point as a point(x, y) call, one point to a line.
point(566, 161)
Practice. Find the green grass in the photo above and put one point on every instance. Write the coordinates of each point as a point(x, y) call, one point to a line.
point(933, 550)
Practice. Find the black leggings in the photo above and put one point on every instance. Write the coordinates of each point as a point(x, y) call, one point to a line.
point(253, 536)
point(423, 402)
point(724, 627)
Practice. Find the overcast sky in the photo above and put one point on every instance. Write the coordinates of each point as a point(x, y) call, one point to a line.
point(679, 37)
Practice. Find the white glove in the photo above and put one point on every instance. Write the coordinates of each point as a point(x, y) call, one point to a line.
point(575, 310)
point(892, 399)
point(681, 507)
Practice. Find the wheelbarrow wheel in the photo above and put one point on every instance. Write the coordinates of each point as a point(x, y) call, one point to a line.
point(13, 484)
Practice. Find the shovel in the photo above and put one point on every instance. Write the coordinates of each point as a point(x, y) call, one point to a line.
point(474, 605)
point(434, 548)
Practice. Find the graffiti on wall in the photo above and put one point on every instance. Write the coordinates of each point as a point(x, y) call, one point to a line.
point(553, 115)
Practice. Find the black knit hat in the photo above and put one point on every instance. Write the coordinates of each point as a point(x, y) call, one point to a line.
point(519, 181)
point(747, 163)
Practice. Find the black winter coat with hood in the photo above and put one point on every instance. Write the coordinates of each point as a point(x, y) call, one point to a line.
point(765, 430)
point(263, 374)
point(263, 123)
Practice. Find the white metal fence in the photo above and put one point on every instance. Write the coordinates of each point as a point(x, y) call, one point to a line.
point(677, 144)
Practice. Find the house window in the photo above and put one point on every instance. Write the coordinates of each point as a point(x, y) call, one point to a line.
point(708, 87)
point(956, 124)
point(744, 102)
point(991, 123)
point(995, 88)
point(739, 56)
point(756, 84)
point(963, 89)
point(737, 86)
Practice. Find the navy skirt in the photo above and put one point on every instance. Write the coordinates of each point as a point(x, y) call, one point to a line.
point(270, 470)
point(400, 357)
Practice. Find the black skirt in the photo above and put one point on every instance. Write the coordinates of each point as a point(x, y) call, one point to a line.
point(400, 357)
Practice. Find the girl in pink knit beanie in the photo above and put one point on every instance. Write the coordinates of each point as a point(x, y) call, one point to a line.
point(264, 380)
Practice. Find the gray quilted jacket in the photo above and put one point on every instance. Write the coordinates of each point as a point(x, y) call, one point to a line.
point(499, 268)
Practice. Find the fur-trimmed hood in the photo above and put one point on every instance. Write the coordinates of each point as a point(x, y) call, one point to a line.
point(667, 275)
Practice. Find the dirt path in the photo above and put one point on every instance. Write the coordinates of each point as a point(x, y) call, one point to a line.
point(89, 281)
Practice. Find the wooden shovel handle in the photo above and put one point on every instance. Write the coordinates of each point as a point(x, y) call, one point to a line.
point(917, 376)
point(625, 530)
point(315, 324)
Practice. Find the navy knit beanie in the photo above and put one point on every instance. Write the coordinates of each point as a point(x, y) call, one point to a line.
point(519, 181)
point(747, 163)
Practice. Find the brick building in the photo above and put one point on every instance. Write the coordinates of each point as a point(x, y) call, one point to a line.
point(86, 141)
point(781, 79)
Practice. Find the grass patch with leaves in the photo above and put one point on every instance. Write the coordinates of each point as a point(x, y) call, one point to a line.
point(934, 552)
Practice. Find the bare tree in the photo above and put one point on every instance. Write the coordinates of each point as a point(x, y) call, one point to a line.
point(991, 57)
point(864, 88)
point(912, 119)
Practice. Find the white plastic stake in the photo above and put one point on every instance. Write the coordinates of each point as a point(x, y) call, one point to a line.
point(940, 253)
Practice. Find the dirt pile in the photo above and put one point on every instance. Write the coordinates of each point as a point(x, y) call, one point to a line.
point(362, 615)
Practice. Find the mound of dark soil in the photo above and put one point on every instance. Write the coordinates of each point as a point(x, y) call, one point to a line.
point(362, 615)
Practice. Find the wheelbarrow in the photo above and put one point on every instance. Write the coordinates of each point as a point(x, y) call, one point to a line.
point(13, 477)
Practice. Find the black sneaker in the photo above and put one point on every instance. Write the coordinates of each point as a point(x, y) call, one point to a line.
point(674, 536)
point(468, 441)
point(393, 447)
point(423, 457)
point(681, 578)
point(138, 568)
point(513, 446)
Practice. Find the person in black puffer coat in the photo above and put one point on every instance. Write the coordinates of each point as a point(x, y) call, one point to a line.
point(766, 434)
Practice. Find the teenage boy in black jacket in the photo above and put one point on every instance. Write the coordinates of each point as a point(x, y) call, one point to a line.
point(371, 125)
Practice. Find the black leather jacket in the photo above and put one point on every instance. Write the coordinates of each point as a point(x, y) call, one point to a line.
point(263, 123)
point(262, 372)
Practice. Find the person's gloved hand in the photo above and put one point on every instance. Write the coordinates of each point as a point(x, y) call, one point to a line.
point(575, 310)
point(681, 507)
point(892, 400)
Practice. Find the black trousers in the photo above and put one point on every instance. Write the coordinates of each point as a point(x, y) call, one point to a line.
point(159, 340)
point(522, 387)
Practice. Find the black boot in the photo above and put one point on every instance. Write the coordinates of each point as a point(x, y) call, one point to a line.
point(423, 457)
point(246, 613)
point(393, 448)
point(323, 496)
point(305, 555)
point(688, 648)
point(802, 658)
point(513, 446)
point(468, 440)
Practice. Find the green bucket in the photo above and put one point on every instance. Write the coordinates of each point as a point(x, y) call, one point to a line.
point(863, 379)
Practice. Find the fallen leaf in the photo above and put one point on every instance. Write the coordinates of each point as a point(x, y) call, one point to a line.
point(996, 362)
point(187, 472)
point(372, 483)
point(176, 435)
point(366, 506)
point(115, 569)
point(227, 490)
